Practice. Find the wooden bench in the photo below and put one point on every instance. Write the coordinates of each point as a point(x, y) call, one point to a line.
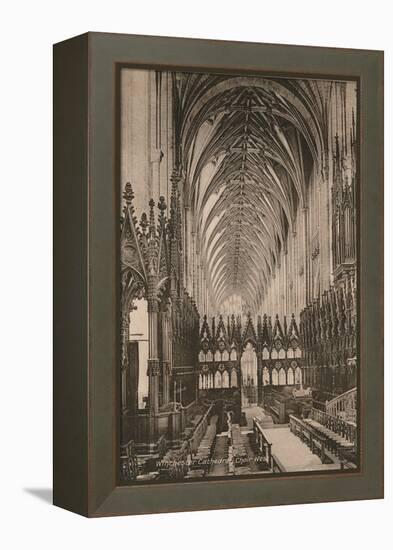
point(308, 435)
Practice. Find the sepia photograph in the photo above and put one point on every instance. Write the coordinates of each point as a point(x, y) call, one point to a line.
point(239, 298)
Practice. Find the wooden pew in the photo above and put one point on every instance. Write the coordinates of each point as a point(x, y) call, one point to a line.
point(308, 435)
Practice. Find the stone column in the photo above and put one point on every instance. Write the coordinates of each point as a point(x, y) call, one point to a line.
point(153, 360)
point(325, 240)
point(193, 270)
point(285, 281)
point(155, 160)
point(166, 359)
point(260, 378)
point(124, 357)
point(125, 435)
point(187, 256)
point(306, 256)
point(295, 269)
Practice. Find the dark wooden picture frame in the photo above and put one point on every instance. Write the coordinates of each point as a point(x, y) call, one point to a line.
point(86, 263)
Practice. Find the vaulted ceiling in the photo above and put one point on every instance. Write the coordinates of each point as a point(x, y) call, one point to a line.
point(247, 146)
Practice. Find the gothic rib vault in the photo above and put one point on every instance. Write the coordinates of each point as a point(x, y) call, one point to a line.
point(247, 147)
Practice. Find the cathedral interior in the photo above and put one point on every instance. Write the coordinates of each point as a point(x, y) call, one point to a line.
point(238, 275)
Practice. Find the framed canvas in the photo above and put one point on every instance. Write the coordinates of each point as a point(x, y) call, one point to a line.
point(218, 274)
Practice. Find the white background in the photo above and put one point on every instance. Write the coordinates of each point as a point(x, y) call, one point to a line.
point(28, 30)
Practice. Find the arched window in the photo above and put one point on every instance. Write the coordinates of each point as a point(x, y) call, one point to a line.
point(249, 364)
point(200, 385)
point(225, 355)
point(233, 354)
point(290, 377)
point(290, 353)
point(298, 352)
point(217, 356)
point(298, 375)
point(233, 378)
point(210, 380)
point(281, 353)
point(282, 379)
point(225, 379)
point(202, 357)
point(266, 376)
point(218, 380)
point(265, 353)
point(274, 353)
point(274, 377)
point(209, 356)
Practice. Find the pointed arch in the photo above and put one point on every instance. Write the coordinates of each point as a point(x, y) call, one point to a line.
point(234, 383)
